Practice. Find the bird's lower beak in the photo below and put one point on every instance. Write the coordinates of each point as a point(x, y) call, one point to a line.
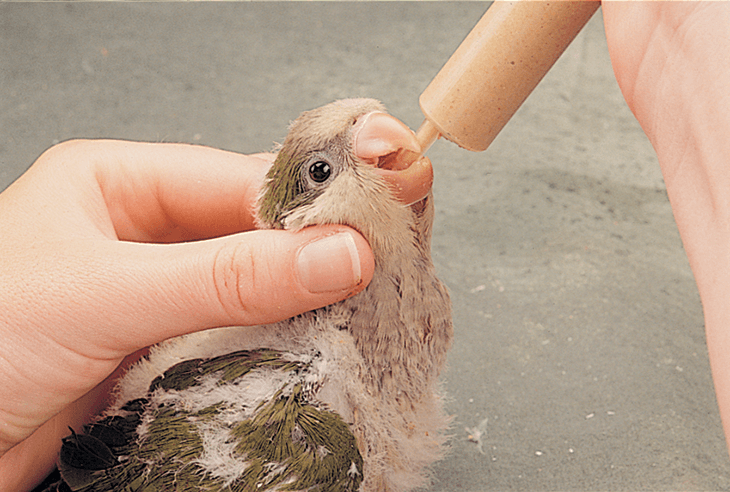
point(384, 142)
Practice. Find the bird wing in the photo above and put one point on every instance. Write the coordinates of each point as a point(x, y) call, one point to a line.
point(184, 435)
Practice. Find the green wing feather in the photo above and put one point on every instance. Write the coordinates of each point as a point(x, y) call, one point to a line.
point(289, 443)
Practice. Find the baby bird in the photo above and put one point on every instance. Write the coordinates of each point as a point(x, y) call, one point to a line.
point(343, 398)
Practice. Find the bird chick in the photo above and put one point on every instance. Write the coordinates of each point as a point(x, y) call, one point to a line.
point(343, 398)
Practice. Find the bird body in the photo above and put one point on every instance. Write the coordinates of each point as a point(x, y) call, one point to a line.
point(343, 398)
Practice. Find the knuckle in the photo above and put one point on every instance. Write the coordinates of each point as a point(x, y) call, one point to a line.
point(238, 279)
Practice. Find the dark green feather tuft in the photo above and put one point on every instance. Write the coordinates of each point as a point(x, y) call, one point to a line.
point(179, 377)
point(288, 444)
point(235, 365)
point(313, 448)
point(86, 452)
point(283, 189)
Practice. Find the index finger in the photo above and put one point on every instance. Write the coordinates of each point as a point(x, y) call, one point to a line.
point(176, 192)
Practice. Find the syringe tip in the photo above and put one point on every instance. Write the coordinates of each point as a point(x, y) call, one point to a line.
point(426, 135)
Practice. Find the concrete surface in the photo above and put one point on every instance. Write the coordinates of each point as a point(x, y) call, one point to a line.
point(579, 332)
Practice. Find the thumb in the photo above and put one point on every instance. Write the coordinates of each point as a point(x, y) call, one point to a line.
point(154, 292)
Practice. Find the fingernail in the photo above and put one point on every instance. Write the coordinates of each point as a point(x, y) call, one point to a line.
point(330, 264)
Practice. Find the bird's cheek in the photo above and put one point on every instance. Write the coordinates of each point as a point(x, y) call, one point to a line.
point(411, 184)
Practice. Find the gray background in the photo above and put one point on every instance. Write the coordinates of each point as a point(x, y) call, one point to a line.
point(579, 331)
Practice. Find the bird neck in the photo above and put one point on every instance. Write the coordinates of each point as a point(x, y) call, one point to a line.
point(402, 321)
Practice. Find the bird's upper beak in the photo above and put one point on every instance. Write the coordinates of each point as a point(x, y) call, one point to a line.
point(383, 141)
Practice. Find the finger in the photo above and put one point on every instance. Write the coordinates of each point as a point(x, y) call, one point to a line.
point(630, 32)
point(163, 192)
point(180, 192)
point(132, 295)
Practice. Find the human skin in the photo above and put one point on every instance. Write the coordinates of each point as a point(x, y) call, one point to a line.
point(109, 247)
point(670, 60)
point(671, 63)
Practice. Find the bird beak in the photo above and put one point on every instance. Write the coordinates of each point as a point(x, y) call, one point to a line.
point(384, 142)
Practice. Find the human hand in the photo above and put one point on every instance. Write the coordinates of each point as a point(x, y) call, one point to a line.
point(671, 62)
point(109, 247)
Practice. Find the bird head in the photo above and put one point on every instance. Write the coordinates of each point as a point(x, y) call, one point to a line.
point(343, 163)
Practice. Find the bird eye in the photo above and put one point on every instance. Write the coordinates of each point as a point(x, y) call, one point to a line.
point(320, 171)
